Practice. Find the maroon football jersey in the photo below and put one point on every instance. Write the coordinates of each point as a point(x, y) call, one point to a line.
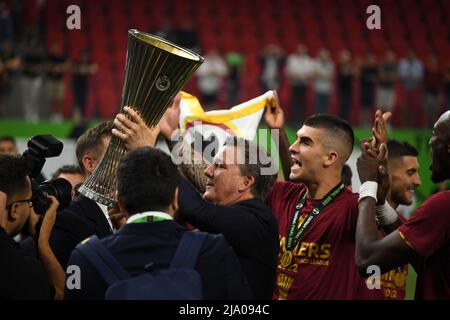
point(322, 263)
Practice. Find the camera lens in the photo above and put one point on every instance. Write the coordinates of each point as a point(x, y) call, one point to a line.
point(60, 188)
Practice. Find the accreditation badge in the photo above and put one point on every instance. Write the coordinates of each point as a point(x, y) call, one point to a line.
point(286, 259)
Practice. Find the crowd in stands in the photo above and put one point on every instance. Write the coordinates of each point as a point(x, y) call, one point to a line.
point(408, 84)
point(59, 86)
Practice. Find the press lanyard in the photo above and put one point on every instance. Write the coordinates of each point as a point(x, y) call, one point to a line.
point(153, 216)
point(295, 232)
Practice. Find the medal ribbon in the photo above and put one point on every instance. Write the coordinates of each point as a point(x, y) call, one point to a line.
point(295, 232)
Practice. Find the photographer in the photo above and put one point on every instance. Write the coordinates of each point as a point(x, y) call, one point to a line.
point(148, 197)
point(85, 217)
point(22, 277)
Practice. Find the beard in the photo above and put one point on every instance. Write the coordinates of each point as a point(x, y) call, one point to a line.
point(400, 198)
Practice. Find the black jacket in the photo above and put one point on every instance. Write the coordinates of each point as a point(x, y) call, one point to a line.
point(21, 277)
point(80, 220)
point(92, 214)
point(249, 226)
point(137, 244)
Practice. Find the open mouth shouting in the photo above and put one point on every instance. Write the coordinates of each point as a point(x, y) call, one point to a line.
point(296, 164)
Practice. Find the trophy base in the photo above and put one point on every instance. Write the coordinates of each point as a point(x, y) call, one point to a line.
point(110, 203)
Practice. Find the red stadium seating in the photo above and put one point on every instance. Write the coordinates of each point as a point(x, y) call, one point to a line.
point(245, 26)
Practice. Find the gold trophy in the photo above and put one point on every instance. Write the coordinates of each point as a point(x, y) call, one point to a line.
point(155, 72)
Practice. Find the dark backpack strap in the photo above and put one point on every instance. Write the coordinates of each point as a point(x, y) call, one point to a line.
point(102, 259)
point(188, 249)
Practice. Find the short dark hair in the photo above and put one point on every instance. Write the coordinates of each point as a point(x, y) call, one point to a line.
point(91, 140)
point(255, 158)
point(336, 127)
point(67, 169)
point(346, 175)
point(146, 180)
point(13, 175)
point(397, 149)
point(8, 138)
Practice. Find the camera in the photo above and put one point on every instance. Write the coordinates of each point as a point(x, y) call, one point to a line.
point(39, 148)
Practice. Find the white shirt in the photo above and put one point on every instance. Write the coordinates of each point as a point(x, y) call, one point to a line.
point(299, 68)
point(411, 73)
point(210, 74)
point(324, 72)
point(159, 214)
point(105, 212)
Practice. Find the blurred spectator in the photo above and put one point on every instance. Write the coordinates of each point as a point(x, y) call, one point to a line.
point(2, 72)
point(187, 36)
point(323, 75)
point(17, 8)
point(210, 77)
point(32, 82)
point(9, 63)
point(167, 32)
point(298, 70)
point(368, 78)
point(272, 60)
point(432, 85)
point(447, 88)
point(235, 62)
point(8, 145)
point(410, 71)
point(387, 75)
point(82, 69)
point(346, 72)
point(57, 65)
point(71, 173)
point(6, 24)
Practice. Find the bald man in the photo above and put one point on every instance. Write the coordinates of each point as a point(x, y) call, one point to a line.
point(424, 240)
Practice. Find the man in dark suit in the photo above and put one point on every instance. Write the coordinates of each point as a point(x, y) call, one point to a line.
point(233, 204)
point(148, 195)
point(238, 180)
point(84, 217)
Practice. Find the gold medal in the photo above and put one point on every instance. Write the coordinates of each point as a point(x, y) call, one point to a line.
point(286, 259)
point(284, 283)
point(400, 279)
